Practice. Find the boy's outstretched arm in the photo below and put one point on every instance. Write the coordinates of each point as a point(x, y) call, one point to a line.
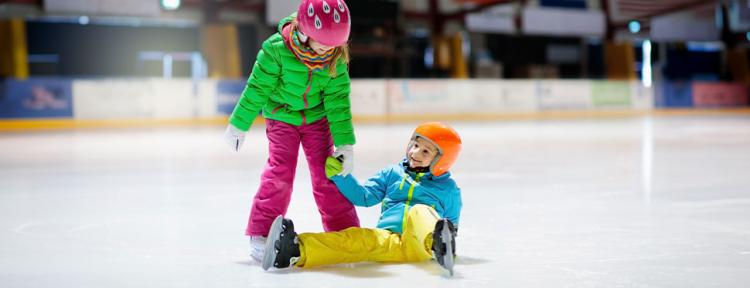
point(368, 194)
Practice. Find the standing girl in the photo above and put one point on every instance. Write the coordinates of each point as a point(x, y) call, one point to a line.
point(300, 82)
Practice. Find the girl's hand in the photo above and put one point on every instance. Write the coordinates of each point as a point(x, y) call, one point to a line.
point(234, 137)
point(347, 152)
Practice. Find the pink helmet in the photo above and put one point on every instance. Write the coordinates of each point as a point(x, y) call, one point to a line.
point(326, 21)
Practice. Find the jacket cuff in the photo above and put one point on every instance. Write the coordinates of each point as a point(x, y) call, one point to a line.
point(241, 124)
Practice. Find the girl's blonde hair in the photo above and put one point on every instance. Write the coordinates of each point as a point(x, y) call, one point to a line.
point(340, 53)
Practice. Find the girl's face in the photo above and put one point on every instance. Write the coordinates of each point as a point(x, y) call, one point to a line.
point(319, 48)
point(421, 153)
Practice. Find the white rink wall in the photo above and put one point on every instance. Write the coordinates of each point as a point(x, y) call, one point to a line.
point(371, 98)
point(144, 99)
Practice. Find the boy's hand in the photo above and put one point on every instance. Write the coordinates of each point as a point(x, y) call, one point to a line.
point(333, 167)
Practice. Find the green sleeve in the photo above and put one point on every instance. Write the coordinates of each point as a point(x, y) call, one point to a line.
point(260, 85)
point(338, 107)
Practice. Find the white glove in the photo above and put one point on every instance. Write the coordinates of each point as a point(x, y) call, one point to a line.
point(234, 137)
point(346, 152)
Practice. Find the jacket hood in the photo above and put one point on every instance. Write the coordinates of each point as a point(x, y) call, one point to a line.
point(286, 20)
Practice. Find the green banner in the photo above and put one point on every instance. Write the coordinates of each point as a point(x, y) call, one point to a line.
point(610, 94)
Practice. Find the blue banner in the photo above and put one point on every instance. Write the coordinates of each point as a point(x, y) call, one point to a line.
point(36, 98)
point(675, 94)
point(228, 92)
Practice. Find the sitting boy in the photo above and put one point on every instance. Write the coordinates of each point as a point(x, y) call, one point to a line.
point(420, 208)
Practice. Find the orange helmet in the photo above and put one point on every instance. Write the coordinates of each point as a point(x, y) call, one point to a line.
point(445, 139)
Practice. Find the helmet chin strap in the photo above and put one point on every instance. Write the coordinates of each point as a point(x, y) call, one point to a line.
point(419, 169)
point(422, 169)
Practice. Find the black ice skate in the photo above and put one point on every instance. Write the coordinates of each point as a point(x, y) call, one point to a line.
point(282, 246)
point(444, 244)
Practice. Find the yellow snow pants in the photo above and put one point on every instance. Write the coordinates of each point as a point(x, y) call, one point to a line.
point(372, 244)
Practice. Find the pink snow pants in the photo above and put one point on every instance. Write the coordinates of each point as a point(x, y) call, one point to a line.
point(276, 182)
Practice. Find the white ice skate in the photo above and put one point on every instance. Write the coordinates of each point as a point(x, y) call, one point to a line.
point(257, 247)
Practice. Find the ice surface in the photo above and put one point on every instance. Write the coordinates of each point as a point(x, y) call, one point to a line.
point(625, 202)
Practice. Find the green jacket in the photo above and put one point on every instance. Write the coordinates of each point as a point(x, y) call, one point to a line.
point(287, 91)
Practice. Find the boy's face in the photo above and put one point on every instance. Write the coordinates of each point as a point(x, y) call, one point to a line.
point(421, 153)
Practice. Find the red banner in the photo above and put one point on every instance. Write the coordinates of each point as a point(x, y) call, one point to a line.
point(713, 94)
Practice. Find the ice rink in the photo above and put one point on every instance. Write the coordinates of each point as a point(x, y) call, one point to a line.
point(600, 202)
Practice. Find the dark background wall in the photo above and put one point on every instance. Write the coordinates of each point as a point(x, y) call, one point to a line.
point(105, 50)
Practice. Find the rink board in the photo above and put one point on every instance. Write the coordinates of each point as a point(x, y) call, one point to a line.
point(712, 94)
point(564, 95)
point(374, 99)
point(36, 98)
point(143, 99)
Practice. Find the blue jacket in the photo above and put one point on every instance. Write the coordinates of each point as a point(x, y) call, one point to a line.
point(397, 189)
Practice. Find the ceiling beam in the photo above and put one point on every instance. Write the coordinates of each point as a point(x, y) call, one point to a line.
point(677, 8)
point(242, 5)
point(27, 2)
point(456, 15)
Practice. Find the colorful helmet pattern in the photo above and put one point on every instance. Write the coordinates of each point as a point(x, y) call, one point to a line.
point(326, 21)
point(447, 141)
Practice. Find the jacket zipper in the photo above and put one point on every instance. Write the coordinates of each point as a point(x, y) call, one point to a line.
point(408, 197)
point(309, 83)
point(304, 96)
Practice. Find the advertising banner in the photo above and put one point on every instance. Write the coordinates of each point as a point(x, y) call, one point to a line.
point(228, 92)
point(714, 94)
point(610, 94)
point(414, 97)
point(675, 94)
point(36, 98)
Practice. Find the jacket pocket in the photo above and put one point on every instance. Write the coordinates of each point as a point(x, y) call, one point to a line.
point(276, 109)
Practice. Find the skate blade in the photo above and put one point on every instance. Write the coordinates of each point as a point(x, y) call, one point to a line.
point(273, 234)
point(448, 257)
